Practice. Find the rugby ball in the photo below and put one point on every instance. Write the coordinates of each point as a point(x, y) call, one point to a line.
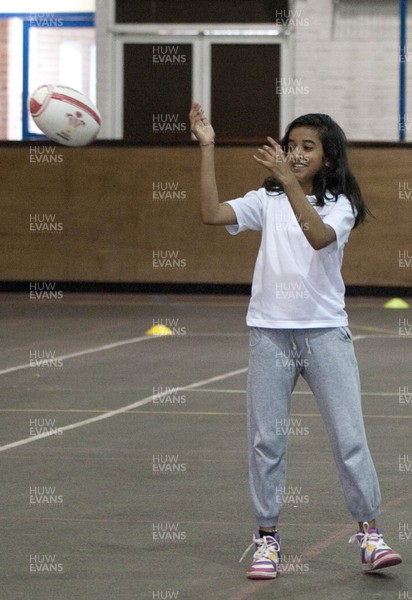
point(64, 115)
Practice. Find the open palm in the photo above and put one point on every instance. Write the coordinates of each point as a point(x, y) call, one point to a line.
point(199, 125)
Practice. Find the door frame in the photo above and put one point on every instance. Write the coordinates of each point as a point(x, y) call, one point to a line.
point(201, 37)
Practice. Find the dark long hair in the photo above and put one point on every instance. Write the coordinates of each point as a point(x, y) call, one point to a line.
point(334, 179)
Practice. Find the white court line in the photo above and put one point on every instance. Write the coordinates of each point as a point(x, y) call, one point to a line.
point(398, 337)
point(116, 345)
point(147, 337)
point(303, 392)
point(218, 334)
point(146, 400)
point(143, 338)
point(121, 410)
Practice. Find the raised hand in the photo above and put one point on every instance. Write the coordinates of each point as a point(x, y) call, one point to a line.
point(200, 126)
point(273, 158)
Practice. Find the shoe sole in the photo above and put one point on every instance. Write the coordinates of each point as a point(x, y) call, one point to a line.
point(387, 561)
point(264, 575)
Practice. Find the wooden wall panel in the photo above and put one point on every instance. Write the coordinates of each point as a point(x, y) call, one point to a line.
point(373, 252)
point(117, 205)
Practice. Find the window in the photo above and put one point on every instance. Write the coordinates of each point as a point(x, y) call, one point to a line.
point(39, 48)
point(63, 53)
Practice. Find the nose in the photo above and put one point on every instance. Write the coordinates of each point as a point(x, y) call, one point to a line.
point(296, 153)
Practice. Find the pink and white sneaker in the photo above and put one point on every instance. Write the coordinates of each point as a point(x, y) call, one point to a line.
point(266, 557)
point(375, 553)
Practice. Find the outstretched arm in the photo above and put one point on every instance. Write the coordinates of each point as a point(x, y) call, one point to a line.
point(211, 210)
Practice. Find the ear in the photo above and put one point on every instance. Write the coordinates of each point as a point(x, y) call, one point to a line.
point(326, 162)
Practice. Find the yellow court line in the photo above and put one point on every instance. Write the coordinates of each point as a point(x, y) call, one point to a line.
point(179, 413)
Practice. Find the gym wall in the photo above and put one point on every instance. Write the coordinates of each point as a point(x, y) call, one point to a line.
point(117, 213)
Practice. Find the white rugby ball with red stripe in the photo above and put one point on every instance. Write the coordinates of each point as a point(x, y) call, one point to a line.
point(64, 114)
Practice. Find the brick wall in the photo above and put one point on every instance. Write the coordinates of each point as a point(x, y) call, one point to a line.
point(348, 55)
point(104, 54)
point(3, 79)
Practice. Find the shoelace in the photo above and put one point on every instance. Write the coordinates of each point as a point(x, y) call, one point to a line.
point(376, 538)
point(265, 547)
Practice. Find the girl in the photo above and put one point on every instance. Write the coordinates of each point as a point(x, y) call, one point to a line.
point(305, 210)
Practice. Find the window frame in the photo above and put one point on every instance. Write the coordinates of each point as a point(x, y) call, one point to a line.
point(67, 20)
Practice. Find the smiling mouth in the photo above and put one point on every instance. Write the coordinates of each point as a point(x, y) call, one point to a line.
point(298, 166)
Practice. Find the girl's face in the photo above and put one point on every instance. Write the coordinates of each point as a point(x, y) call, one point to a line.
point(306, 156)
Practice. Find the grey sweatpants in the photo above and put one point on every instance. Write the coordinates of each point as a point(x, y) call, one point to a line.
point(326, 360)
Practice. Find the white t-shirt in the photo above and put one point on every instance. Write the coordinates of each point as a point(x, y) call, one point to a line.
point(294, 286)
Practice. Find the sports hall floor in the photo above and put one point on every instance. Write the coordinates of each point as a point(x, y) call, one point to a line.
point(137, 488)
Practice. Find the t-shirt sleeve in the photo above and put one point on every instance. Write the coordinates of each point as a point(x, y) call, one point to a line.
point(248, 211)
point(342, 219)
